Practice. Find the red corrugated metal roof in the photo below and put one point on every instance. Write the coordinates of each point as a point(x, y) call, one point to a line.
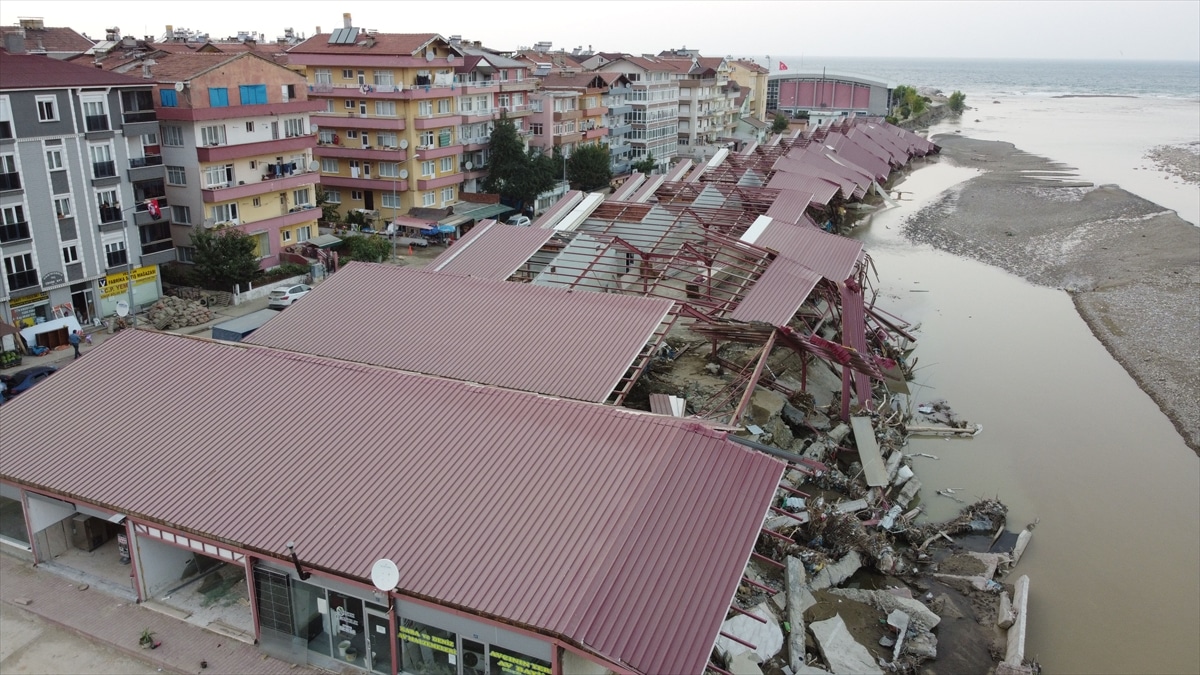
point(491, 251)
point(778, 293)
point(554, 214)
point(843, 147)
point(24, 71)
point(624, 532)
point(805, 168)
point(822, 191)
point(790, 206)
point(521, 336)
point(832, 256)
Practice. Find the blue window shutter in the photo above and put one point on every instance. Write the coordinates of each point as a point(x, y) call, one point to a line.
point(261, 92)
point(167, 96)
point(218, 97)
point(246, 94)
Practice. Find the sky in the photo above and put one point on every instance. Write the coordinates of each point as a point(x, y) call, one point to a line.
point(1142, 30)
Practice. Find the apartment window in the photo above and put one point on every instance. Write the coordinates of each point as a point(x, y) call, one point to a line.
point(366, 167)
point(218, 97)
point(424, 108)
point(504, 101)
point(168, 98)
point(329, 165)
point(70, 254)
point(20, 271)
point(256, 202)
point(286, 235)
point(350, 104)
point(185, 254)
point(443, 106)
point(287, 91)
point(520, 74)
point(390, 199)
point(218, 176)
point(176, 175)
point(387, 139)
point(304, 233)
point(262, 247)
point(47, 107)
point(293, 127)
point(356, 195)
point(249, 127)
point(351, 133)
point(483, 103)
point(362, 77)
point(181, 214)
point(427, 139)
point(385, 108)
point(323, 76)
point(102, 161)
point(347, 74)
point(300, 198)
point(172, 135)
point(447, 194)
point(54, 159)
point(447, 164)
point(114, 253)
point(329, 105)
point(504, 75)
point(429, 199)
point(427, 168)
point(464, 104)
point(325, 136)
point(214, 135)
point(384, 77)
point(62, 207)
point(518, 99)
point(95, 115)
point(224, 213)
point(362, 107)
point(535, 128)
point(333, 196)
point(389, 170)
point(14, 228)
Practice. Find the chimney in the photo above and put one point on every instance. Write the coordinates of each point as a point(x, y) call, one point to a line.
point(14, 43)
point(346, 23)
point(146, 69)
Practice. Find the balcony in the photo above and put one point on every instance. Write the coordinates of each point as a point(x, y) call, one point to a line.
point(598, 132)
point(383, 184)
point(478, 143)
point(22, 280)
point(369, 153)
point(356, 121)
point(293, 107)
point(141, 213)
point(101, 170)
point(14, 232)
point(217, 194)
point(134, 116)
point(475, 116)
point(110, 214)
point(289, 219)
point(430, 152)
point(222, 153)
point(96, 123)
point(161, 254)
point(145, 168)
point(563, 115)
point(437, 121)
point(594, 112)
point(10, 181)
point(434, 183)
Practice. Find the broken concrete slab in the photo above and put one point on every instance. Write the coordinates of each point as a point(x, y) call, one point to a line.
point(1022, 542)
point(844, 655)
point(976, 581)
point(921, 615)
point(1006, 669)
point(898, 620)
point(832, 575)
point(910, 490)
point(991, 561)
point(1014, 655)
point(893, 464)
point(746, 663)
point(796, 580)
point(923, 644)
point(853, 506)
point(765, 404)
point(1004, 615)
point(780, 521)
point(868, 452)
point(768, 637)
point(839, 432)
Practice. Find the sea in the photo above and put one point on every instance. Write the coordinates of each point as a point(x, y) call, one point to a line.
point(1069, 439)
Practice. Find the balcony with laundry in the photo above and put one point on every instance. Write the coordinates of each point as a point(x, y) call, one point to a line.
point(223, 183)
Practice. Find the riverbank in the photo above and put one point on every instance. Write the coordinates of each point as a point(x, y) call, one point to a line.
point(1130, 265)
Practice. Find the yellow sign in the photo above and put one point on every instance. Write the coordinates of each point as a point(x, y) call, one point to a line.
point(116, 284)
point(28, 300)
point(426, 640)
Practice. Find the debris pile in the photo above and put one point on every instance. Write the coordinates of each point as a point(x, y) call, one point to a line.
point(170, 313)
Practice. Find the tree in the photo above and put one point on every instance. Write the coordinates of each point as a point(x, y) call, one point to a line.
point(224, 257)
point(514, 173)
point(645, 165)
point(589, 168)
point(367, 248)
point(329, 212)
point(958, 102)
point(780, 124)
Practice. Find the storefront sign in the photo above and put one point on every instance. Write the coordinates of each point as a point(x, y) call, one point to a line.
point(29, 299)
point(426, 640)
point(53, 278)
point(116, 284)
point(512, 664)
point(25, 309)
point(347, 622)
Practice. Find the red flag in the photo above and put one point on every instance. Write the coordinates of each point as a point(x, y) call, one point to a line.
point(782, 65)
point(152, 207)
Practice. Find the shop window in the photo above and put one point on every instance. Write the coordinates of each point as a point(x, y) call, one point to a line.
point(508, 662)
point(427, 650)
point(12, 521)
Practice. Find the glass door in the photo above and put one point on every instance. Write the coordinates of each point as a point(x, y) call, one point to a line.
point(379, 643)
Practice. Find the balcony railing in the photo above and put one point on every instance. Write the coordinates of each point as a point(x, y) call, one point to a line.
point(110, 214)
point(104, 169)
point(132, 116)
point(25, 279)
point(10, 181)
point(10, 232)
point(117, 259)
point(148, 160)
point(96, 122)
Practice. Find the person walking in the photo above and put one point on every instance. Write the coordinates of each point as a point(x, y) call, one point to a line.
point(75, 338)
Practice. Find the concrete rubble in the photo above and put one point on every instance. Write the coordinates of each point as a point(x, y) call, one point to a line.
point(844, 655)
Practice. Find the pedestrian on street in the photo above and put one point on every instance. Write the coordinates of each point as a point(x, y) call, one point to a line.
point(75, 338)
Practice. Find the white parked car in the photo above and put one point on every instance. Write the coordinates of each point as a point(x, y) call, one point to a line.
point(520, 221)
point(284, 297)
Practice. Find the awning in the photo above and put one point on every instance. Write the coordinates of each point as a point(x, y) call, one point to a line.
point(325, 241)
point(484, 211)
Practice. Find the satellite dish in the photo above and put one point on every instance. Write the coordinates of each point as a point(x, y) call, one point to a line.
point(178, 86)
point(122, 308)
point(403, 174)
point(385, 575)
point(469, 165)
point(429, 55)
point(403, 143)
point(449, 58)
point(314, 165)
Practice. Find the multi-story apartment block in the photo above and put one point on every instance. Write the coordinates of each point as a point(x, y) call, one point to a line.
point(573, 109)
point(708, 111)
point(405, 115)
point(615, 100)
point(81, 191)
point(236, 140)
point(752, 78)
point(654, 97)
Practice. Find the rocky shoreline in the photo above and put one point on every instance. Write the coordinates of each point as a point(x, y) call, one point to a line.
point(1130, 265)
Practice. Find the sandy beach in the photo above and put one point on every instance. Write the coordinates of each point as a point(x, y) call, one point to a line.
point(1132, 267)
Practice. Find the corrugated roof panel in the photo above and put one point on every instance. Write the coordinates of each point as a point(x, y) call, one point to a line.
point(790, 206)
point(646, 191)
point(612, 533)
point(830, 255)
point(843, 147)
point(491, 251)
point(630, 186)
point(777, 295)
point(808, 168)
point(560, 208)
point(822, 191)
point(518, 336)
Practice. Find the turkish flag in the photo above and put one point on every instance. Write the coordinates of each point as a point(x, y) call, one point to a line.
point(152, 207)
point(782, 65)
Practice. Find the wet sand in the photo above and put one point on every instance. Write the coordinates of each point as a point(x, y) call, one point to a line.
point(1132, 267)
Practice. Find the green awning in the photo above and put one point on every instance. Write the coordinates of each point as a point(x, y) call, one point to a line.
point(484, 211)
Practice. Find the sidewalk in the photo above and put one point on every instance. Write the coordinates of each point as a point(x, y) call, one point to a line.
point(117, 623)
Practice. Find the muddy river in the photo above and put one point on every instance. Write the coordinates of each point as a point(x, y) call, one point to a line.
point(1068, 437)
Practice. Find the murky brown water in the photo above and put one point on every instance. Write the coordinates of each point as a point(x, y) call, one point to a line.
point(1068, 438)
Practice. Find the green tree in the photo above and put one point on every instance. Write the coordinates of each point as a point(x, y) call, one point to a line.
point(589, 168)
point(365, 247)
point(646, 164)
point(780, 124)
point(224, 257)
point(514, 173)
point(329, 212)
point(958, 102)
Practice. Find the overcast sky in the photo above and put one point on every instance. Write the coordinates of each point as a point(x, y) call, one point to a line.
point(1047, 29)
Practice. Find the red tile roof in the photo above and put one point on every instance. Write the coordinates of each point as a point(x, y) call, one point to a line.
point(491, 250)
point(405, 44)
point(751, 66)
point(50, 39)
point(23, 71)
point(521, 336)
point(624, 532)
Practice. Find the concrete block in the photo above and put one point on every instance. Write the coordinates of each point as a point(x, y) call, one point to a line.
point(839, 432)
point(796, 590)
point(844, 655)
point(832, 575)
point(921, 615)
point(923, 644)
point(1014, 655)
point(746, 663)
point(1004, 615)
point(910, 490)
point(765, 404)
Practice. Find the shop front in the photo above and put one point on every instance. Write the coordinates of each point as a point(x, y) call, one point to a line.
point(115, 287)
